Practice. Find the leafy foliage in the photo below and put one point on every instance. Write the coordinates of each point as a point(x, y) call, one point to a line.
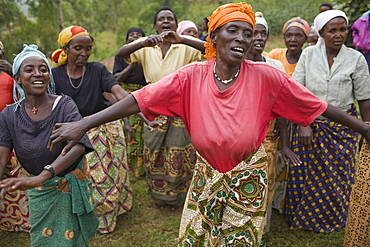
point(117, 16)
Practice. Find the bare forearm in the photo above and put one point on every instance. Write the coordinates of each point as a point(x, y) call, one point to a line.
point(121, 109)
point(121, 76)
point(126, 50)
point(339, 116)
point(364, 106)
point(195, 43)
point(282, 124)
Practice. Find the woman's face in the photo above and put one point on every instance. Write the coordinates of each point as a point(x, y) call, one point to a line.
point(133, 36)
point(191, 31)
point(79, 50)
point(259, 39)
point(294, 39)
point(334, 33)
point(165, 22)
point(33, 76)
point(233, 41)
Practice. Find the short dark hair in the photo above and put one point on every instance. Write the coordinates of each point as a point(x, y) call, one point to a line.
point(162, 9)
point(326, 5)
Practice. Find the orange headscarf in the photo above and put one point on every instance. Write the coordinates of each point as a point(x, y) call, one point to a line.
point(224, 14)
point(66, 35)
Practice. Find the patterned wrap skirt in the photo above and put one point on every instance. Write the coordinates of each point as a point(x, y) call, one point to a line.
point(358, 221)
point(169, 158)
point(318, 191)
point(135, 146)
point(112, 191)
point(226, 209)
point(14, 215)
point(62, 210)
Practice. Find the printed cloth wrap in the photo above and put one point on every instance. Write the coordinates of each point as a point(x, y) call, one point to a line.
point(318, 190)
point(62, 210)
point(226, 209)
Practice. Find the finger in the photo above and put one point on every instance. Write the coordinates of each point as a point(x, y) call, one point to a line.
point(68, 147)
point(2, 193)
point(54, 135)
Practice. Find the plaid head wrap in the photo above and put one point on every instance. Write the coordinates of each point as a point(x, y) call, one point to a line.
point(224, 14)
point(297, 22)
point(65, 36)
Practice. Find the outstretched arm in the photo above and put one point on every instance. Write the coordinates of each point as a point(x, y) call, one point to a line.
point(73, 132)
point(59, 165)
point(351, 122)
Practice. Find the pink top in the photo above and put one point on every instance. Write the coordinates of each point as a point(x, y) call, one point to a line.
point(226, 127)
point(6, 90)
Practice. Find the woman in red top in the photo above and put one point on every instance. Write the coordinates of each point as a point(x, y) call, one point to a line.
point(226, 104)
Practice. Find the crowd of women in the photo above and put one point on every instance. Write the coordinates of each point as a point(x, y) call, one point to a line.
point(203, 132)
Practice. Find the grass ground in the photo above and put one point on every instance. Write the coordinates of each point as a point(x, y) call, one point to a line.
point(148, 226)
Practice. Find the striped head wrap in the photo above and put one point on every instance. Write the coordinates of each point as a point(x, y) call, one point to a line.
point(297, 22)
point(224, 14)
point(65, 36)
point(28, 51)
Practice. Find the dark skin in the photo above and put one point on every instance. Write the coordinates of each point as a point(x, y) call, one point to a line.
point(166, 28)
point(34, 78)
point(294, 39)
point(232, 43)
point(334, 34)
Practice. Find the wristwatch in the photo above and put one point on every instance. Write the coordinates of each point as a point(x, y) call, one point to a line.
point(50, 169)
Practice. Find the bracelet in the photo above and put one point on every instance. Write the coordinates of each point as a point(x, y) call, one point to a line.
point(50, 169)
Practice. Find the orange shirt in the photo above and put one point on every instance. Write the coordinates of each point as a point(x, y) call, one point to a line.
point(280, 54)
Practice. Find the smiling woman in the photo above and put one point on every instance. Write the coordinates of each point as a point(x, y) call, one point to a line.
point(55, 183)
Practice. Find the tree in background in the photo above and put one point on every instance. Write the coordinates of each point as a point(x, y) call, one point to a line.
point(354, 9)
point(115, 17)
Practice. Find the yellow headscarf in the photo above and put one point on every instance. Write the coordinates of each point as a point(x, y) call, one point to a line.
point(66, 35)
point(224, 14)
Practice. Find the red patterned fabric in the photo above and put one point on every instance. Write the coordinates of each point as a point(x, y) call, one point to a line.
point(14, 208)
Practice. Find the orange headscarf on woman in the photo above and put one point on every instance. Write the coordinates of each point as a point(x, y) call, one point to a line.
point(66, 35)
point(224, 14)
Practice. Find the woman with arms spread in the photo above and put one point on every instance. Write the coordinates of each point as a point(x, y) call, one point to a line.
point(327, 150)
point(59, 188)
point(224, 97)
point(85, 83)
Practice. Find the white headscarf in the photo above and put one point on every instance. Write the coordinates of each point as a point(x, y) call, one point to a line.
point(324, 17)
point(261, 20)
